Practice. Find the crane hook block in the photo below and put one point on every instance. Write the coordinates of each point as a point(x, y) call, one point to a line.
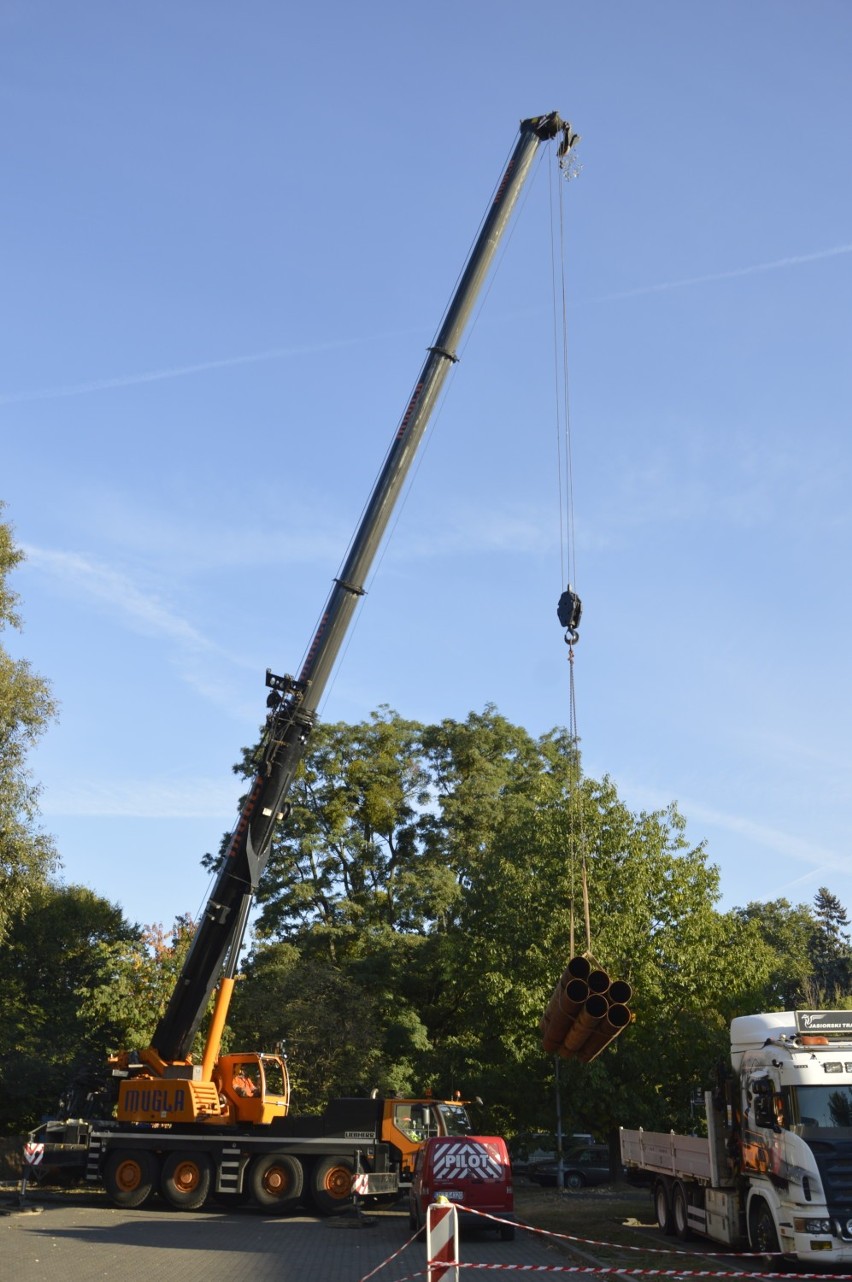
point(569, 610)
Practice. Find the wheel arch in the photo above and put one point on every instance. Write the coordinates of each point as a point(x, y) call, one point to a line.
point(758, 1198)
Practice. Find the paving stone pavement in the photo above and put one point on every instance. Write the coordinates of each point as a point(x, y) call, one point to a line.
point(77, 1240)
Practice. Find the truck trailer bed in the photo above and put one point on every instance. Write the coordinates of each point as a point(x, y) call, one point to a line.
point(682, 1156)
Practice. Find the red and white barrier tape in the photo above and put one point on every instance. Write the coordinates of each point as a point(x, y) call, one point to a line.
point(404, 1247)
point(611, 1270)
point(619, 1246)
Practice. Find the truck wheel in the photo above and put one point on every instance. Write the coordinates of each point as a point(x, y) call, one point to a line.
point(331, 1185)
point(680, 1213)
point(130, 1177)
point(185, 1181)
point(507, 1232)
point(276, 1181)
point(763, 1235)
point(663, 1208)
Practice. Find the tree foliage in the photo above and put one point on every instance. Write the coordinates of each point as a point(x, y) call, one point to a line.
point(429, 883)
point(830, 953)
point(132, 981)
point(418, 907)
point(27, 854)
point(51, 959)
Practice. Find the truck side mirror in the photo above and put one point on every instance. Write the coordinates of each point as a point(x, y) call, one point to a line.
point(763, 1095)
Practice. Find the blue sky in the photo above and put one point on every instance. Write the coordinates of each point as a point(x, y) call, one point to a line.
point(231, 234)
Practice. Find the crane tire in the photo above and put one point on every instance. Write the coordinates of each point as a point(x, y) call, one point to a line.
point(130, 1177)
point(331, 1185)
point(185, 1180)
point(276, 1181)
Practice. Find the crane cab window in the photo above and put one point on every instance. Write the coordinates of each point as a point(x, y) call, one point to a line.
point(273, 1071)
point(246, 1080)
point(409, 1120)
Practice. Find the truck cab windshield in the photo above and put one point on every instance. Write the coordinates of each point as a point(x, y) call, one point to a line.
point(824, 1106)
point(455, 1119)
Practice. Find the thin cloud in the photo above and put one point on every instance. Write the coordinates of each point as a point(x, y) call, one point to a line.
point(777, 264)
point(776, 839)
point(154, 798)
point(183, 371)
point(282, 353)
point(143, 611)
point(201, 664)
point(820, 858)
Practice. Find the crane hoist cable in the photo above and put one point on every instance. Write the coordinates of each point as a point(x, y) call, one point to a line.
point(587, 1009)
point(569, 608)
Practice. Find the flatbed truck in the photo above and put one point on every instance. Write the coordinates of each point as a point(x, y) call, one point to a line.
point(773, 1175)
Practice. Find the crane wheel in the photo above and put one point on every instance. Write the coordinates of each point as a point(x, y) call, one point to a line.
point(130, 1177)
point(276, 1181)
point(186, 1179)
point(331, 1185)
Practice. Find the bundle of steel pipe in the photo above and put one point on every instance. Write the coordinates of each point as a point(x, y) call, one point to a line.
point(586, 1011)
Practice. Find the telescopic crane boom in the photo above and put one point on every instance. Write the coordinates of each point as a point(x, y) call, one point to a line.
point(293, 701)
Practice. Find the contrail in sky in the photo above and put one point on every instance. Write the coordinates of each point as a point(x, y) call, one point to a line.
point(277, 353)
point(176, 371)
point(775, 265)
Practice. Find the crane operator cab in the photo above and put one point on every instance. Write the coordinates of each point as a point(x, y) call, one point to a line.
point(255, 1087)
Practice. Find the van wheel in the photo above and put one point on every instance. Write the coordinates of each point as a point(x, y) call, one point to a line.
point(331, 1185)
point(663, 1208)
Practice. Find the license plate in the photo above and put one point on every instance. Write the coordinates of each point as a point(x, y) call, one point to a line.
point(455, 1195)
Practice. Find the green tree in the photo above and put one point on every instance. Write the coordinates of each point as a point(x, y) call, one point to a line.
point(831, 956)
point(348, 902)
point(784, 934)
point(430, 874)
point(132, 979)
point(51, 957)
point(350, 858)
point(27, 854)
point(519, 825)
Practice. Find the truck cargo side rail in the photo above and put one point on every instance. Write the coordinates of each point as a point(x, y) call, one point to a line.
point(665, 1153)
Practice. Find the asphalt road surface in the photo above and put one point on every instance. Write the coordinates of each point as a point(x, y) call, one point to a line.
point(79, 1239)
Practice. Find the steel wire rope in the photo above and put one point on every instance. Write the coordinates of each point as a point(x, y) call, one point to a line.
point(567, 538)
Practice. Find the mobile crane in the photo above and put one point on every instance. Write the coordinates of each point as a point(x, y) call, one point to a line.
point(224, 1125)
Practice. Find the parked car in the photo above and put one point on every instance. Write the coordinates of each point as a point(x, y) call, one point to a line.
point(584, 1166)
point(532, 1148)
point(472, 1171)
